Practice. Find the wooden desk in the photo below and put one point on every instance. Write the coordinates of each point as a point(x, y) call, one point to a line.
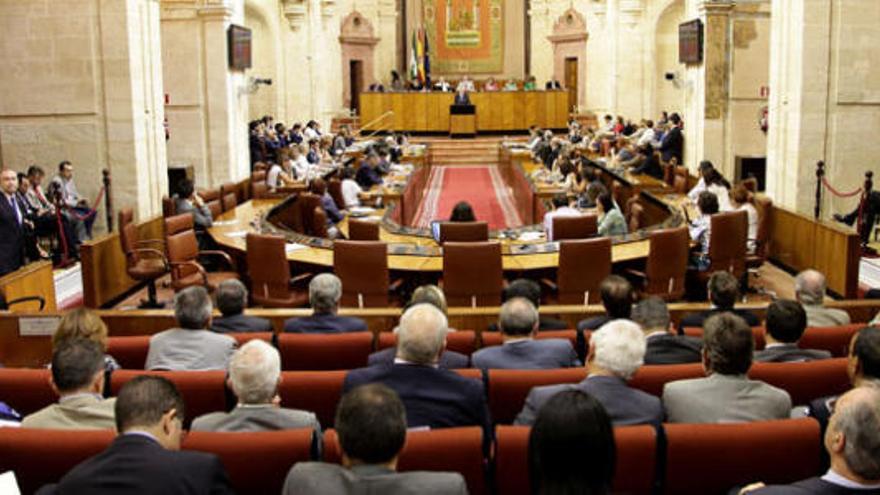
point(33, 279)
point(496, 111)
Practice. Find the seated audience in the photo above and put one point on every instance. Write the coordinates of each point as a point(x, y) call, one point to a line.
point(705, 169)
point(334, 216)
point(191, 346)
point(511, 85)
point(232, 299)
point(529, 289)
point(490, 85)
point(518, 322)
point(611, 221)
point(189, 201)
point(442, 85)
point(701, 230)
point(718, 185)
point(852, 441)
point(254, 375)
point(145, 457)
point(368, 174)
point(325, 290)
point(741, 199)
point(560, 209)
point(350, 188)
point(786, 322)
point(282, 174)
point(433, 295)
point(76, 205)
point(571, 447)
point(663, 345)
point(74, 229)
point(726, 395)
point(809, 289)
point(616, 352)
point(723, 289)
point(617, 297)
point(83, 323)
point(434, 397)
point(462, 212)
point(78, 379)
point(371, 424)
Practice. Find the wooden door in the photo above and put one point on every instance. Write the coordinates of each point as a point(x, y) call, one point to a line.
point(571, 82)
point(356, 83)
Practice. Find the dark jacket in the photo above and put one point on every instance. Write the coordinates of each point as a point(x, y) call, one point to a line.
point(811, 486)
point(593, 323)
point(325, 323)
point(544, 323)
point(449, 360)
point(527, 354)
point(672, 145)
point(11, 237)
point(367, 177)
point(695, 320)
point(241, 323)
point(673, 349)
point(787, 353)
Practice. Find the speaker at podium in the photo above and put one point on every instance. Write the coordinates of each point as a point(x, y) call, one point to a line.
point(462, 119)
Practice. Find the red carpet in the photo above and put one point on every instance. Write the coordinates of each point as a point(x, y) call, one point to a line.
point(482, 187)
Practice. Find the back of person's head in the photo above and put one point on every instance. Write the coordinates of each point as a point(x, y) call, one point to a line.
point(318, 186)
point(77, 364)
point(728, 344)
point(462, 212)
point(606, 202)
point(723, 289)
point(675, 119)
point(348, 173)
point(618, 347)
point(144, 400)
point(571, 446)
point(371, 424)
point(865, 348)
point(617, 297)
point(651, 314)
point(324, 292)
point(809, 287)
point(231, 297)
point(185, 188)
point(518, 317)
point(705, 166)
point(421, 334)
point(429, 294)
point(35, 171)
point(854, 432)
point(560, 201)
point(707, 202)
point(81, 323)
point(192, 308)
point(786, 320)
point(254, 371)
point(525, 288)
point(740, 195)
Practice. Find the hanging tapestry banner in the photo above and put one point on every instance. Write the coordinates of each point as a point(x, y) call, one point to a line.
point(465, 36)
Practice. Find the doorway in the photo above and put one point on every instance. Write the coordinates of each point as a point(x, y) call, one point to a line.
point(356, 81)
point(571, 82)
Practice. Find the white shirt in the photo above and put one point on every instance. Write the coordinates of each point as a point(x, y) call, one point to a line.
point(836, 479)
point(272, 176)
point(647, 137)
point(350, 190)
point(467, 85)
point(302, 167)
point(565, 211)
point(723, 195)
point(752, 214)
point(310, 134)
point(694, 193)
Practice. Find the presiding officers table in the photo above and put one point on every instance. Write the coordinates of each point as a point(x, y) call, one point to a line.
point(496, 111)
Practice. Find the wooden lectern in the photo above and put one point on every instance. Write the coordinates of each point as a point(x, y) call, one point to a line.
point(462, 121)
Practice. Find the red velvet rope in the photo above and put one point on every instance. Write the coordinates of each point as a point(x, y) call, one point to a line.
point(93, 210)
point(838, 193)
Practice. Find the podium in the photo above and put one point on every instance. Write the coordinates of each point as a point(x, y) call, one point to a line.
point(462, 121)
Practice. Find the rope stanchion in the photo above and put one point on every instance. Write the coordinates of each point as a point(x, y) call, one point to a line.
point(838, 193)
point(92, 211)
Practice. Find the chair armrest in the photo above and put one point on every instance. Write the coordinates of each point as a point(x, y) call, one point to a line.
point(195, 264)
point(154, 253)
point(302, 277)
point(220, 254)
point(395, 284)
point(550, 284)
point(151, 241)
point(636, 273)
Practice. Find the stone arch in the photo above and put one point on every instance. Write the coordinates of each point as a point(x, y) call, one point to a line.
point(666, 95)
point(569, 40)
point(357, 41)
point(265, 58)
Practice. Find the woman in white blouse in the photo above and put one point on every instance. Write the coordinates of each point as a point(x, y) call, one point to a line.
point(743, 200)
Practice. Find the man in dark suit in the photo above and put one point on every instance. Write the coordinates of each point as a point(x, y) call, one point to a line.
point(616, 352)
point(145, 458)
point(368, 174)
point(519, 349)
point(325, 290)
point(434, 397)
point(11, 225)
point(664, 346)
point(461, 97)
point(672, 144)
point(449, 360)
point(231, 300)
point(617, 297)
point(371, 424)
point(723, 289)
point(553, 84)
point(529, 289)
point(786, 322)
point(852, 442)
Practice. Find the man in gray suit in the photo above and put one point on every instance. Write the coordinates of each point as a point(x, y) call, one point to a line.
point(518, 322)
point(371, 424)
point(726, 395)
point(786, 322)
point(616, 352)
point(231, 300)
point(809, 288)
point(192, 346)
point(188, 201)
point(254, 375)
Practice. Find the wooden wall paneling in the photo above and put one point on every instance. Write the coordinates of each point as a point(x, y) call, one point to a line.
point(33, 279)
point(418, 112)
point(561, 110)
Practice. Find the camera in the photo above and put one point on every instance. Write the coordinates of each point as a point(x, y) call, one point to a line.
point(670, 76)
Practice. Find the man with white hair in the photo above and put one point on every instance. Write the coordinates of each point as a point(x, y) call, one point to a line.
point(433, 397)
point(809, 288)
point(616, 352)
point(254, 375)
point(325, 290)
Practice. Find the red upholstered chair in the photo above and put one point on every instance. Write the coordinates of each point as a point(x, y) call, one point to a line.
point(635, 466)
point(142, 263)
point(805, 381)
point(727, 245)
point(259, 188)
point(508, 388)
point(757, 333)
point(230, 201)
point(764, 207)
point(319, 223)
point(315, 391)
point(228, 188)
point(489, 339)
point(169, 208)
point(832, 339)
point(362, 266)
point(583, 264)
point(183, 252)
point(712, 458)
point(39, 456)
point(269, 272)
point(579, 227)
point(652, 378)
point(362, 230)
point(459, 450)
point(244, 337)
point(129, 351)
point(202, 391)
point(314, 352)
point(462, 341)
point(666, 266)
point(680, 180)
point(26, 390)
point(209, 195)
point(334, 189)
point(215, 207)
point(276, 452)
point(472, 274)
point(635, 215)
point(464, 232)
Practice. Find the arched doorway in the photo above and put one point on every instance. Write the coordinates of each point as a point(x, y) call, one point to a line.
point(569, 40)
point(358, 42)
point(668, 93)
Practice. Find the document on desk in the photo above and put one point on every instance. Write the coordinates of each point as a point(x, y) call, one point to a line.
point(237, 233)
point(293, 246)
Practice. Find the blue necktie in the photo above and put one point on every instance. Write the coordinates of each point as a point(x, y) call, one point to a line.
point(15, 209)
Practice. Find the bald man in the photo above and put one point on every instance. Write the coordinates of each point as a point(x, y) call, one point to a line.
point(11, 224)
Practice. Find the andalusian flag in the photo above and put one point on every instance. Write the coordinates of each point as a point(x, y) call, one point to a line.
point(427, 59)
point(413, 61)
point(420, 54)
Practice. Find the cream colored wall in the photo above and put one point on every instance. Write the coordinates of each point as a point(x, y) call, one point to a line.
point(668, 94)
point(83, 83)
point(264, 60)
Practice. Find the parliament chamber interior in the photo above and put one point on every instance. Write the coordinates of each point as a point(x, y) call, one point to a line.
point(440, 246)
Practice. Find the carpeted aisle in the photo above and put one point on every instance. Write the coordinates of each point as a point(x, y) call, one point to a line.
point(482, 187)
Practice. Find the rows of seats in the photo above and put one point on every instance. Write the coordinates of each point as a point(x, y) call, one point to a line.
point(693, 459)
point(832, 339)
point(28, 390)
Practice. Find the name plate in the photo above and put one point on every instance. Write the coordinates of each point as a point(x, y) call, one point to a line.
point(38, 326)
